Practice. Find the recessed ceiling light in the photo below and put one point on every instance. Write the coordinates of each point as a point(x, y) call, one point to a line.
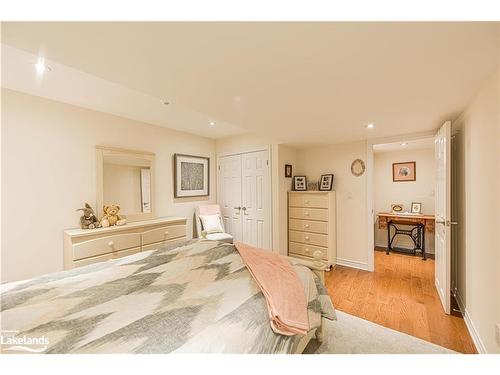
point(404, 144)
point(41, 67)
point(370, 126)
point(211, 123)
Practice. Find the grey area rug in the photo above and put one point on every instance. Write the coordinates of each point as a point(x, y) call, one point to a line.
point(352, 335)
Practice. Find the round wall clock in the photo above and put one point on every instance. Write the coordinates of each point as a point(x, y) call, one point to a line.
point(358, 167)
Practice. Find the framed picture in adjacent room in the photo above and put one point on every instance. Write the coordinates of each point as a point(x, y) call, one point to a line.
point(191, 176)
point(299, 183)
point(288, 170)
point(326, 182)
point(416, 208)
point(403, 172)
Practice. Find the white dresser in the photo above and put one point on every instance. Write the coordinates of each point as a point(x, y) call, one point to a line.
point(312, 225)
point(87, 246)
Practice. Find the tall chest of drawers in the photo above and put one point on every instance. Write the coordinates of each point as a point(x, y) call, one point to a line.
point(87, 246)
point(312, 225)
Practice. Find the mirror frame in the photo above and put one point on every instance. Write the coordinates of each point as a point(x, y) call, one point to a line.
point(101, 152)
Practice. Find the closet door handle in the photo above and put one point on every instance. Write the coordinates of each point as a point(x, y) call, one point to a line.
point(244, 210)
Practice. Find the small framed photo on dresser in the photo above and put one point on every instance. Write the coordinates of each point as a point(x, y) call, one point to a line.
point(299, 183)
point(326, 182)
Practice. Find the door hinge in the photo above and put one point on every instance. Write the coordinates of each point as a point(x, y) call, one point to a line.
point(219, 167)
point(267, 162)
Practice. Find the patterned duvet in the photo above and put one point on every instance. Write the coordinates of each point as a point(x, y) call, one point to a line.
point(193, 297)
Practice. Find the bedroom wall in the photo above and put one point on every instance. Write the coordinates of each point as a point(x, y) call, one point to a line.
point(478, 287)
point(352, 239)
point(48, 171)
point(387, 192)
point(286, 155)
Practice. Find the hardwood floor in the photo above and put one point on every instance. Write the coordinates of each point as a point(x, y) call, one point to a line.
point(400, 294)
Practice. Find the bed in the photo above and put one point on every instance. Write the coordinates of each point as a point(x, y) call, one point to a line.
point(193, 297)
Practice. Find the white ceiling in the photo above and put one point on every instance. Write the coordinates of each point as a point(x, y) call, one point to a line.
point(300, 83)
point(403, 145)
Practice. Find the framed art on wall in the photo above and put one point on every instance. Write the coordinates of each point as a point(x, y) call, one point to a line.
point(402, 172)
point(191, 176)
point(288, 170)
point(299, 183)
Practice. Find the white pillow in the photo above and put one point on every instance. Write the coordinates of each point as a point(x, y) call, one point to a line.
point(211, 223)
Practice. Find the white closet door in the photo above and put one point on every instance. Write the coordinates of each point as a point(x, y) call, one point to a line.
point(256, 225)
point(230, 194)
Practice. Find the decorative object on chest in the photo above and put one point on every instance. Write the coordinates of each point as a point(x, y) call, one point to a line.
point(88, 220)
point(312, 225)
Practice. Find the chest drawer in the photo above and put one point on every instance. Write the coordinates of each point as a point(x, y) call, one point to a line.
point(306, 250)
point(308, 226)
point(106, 257)
point(163, 234)
point(308, 213)
point(309, 200)
point(106, 245)
point(309, 238)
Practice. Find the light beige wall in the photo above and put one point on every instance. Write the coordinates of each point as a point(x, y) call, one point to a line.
point(352, 239)
point(479, 127)
point(48, 171)
point(286, 155)
point(387, 192)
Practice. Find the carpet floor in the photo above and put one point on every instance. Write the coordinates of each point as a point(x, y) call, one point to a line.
point(353, 335)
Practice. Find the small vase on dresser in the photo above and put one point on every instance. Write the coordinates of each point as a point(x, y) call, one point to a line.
point(312, 225)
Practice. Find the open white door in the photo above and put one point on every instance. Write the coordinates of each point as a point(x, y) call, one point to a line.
point(443, 214)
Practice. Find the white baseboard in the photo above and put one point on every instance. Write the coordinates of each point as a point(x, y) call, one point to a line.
point(352, 264)
point(474, 334)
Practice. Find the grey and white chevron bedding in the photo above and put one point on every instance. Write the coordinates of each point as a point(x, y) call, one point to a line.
point(193, 297)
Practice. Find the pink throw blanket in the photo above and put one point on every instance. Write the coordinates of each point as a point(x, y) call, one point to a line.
point(282, 288)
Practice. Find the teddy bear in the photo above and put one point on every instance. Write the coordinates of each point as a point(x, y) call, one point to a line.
point(88, 220)
point(111, 216)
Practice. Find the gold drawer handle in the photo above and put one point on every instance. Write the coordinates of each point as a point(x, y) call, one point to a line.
point(306, 250)
point(167, 233)
point(307, 225)
point(307, 238)
point(111, 244)
point(306, 213)
point(306, 202)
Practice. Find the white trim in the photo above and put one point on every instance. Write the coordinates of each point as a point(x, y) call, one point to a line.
point(481, 349)
point(246, 151)
point(352, 264)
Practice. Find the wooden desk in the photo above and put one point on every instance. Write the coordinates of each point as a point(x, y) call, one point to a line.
point(426, 220)
point(419, 223)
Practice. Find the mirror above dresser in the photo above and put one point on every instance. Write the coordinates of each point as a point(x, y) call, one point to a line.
point(125, 178)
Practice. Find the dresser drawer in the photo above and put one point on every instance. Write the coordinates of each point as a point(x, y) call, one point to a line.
point(309, 200)
point(308, 226)
point(106, 257)
point(309, 238)
point(163, 234)
point(156, 245)
point(308, 213)
point(306, 250)
point(105, 245)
